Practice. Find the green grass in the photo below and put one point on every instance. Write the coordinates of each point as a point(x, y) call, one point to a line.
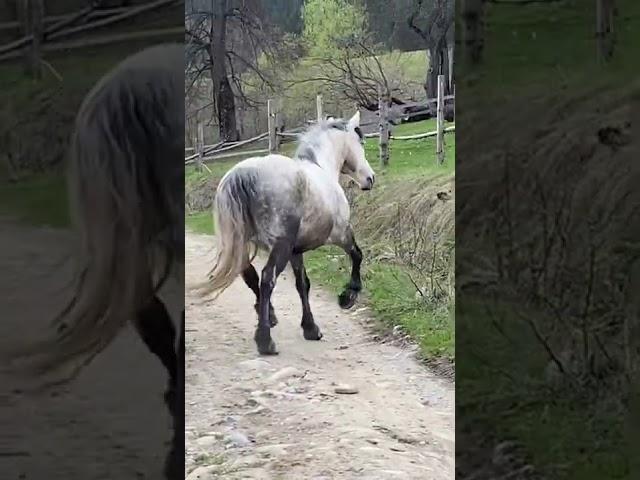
point(200, 222)
point(548, 45)
point(414, 157)
point(543, 52)
point(558, 428)
point(390, 295)
point(388, 290)
point(40, 200)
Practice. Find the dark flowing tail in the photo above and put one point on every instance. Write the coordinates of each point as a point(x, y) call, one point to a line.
point(233, 223)
point(126, 136)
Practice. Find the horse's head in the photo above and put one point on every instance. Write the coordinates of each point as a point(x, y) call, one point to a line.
point(355, 163)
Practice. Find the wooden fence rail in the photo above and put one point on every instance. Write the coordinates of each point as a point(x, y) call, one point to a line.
point(62, 26)
point(222, 150)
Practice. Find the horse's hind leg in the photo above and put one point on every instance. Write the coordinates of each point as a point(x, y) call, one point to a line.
point(174, 463)
point(278, 259)
point(350, 293)
point(310, 330)
point(250, 277)
point(157, 331)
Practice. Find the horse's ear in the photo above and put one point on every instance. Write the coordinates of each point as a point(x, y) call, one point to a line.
point(355, 121)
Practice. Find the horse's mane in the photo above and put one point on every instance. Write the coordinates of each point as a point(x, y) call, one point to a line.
point(309, 141)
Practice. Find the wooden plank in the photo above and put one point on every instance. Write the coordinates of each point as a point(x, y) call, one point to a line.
point(440, 121)
point(239, 144)
point(421, 103)
point(423, 135)
point(213, 158)
point(235, 154)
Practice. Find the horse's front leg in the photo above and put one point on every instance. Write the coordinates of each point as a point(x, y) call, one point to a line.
point(347, 298)
point(310, 329)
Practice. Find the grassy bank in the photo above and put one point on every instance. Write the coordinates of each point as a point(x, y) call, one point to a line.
point(541, 63)
point(40, 200)
point(389, 282)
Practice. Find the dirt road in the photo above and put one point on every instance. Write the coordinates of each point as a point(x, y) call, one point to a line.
point(111, 422)
point(251, 417)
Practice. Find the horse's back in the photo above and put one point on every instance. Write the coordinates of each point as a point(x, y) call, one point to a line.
point(274, 170)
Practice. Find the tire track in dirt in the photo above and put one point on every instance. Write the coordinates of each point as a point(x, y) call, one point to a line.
point(252, 417)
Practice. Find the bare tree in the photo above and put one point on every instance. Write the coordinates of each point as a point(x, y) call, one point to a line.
point(227, 43)
point(434, 24)
point(473, 29)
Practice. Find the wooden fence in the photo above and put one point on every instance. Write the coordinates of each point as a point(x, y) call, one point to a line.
point(203, 154)
point(44, 33)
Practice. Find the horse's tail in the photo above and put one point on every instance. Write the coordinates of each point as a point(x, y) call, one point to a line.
point(118, 153)
point(234, 228)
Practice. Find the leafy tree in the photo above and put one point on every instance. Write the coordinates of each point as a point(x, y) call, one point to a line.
point(327, 23)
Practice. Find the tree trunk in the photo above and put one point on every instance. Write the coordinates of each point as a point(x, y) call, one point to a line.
point(473, 29)
point(439, 64)
point(222, 91)
point(605, 34)
point(431, 82)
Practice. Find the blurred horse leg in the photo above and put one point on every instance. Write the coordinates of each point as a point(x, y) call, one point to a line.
point(155, 327)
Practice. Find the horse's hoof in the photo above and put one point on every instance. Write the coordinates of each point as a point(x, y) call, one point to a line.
point(264, 342)
point(312, 333)
point(347, 299)
point(268, 349)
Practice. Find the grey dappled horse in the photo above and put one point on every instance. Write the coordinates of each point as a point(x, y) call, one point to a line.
point(287, 206)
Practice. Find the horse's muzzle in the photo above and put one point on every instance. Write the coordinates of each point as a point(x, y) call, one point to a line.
point(369, 184)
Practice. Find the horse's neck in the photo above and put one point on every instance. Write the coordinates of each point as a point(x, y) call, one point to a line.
point(329, 155)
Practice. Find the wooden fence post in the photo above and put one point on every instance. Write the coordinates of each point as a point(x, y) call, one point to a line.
point(440, 121)
point(279, 126)
point(200, 145)
point(319, 114)
point(383, 112)
point(271, 124)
